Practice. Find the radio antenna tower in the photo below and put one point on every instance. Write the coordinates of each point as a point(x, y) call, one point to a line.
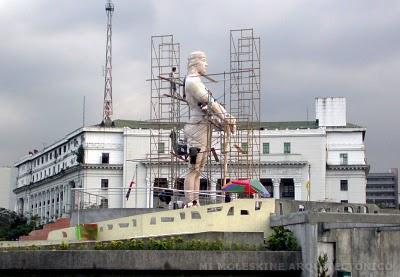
point(107, 106)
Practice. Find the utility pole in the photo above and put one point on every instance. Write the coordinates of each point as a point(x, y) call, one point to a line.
point(107, 106)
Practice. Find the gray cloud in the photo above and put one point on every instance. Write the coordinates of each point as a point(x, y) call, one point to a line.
point(52, 55)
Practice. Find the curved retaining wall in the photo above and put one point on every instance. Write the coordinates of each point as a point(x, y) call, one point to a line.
point(144, 260)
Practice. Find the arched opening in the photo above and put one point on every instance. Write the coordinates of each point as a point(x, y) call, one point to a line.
point(348, 209)
point(21, 205)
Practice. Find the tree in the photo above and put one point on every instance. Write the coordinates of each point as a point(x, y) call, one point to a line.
point(282, 240)
point(13, 225)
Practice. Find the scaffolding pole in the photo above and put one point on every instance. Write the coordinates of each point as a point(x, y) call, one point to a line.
point(165, 112)
point(245, 103)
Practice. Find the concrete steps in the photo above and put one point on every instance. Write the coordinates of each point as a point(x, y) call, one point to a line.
point(43, 233)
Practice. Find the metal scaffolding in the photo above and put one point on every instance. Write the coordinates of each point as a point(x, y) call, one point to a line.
point(165, 110)
point(169, 112)
point(245, 103)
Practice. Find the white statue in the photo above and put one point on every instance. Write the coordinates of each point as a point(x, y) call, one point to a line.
point(198, 129)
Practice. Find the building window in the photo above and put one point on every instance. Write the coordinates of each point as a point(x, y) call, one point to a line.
point(105, 158)
point(104, 183)
point(161, 182)
point(104, 203)
point(266, 148)
point(343, 185)
point(161, 148)
point(245, 147)
point(286, 148)
point(344, 201)
point(343, 159)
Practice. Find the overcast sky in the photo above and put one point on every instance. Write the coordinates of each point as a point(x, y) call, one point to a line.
point(52, 55)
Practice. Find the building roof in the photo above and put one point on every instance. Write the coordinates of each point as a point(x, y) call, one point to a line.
point(280, 125)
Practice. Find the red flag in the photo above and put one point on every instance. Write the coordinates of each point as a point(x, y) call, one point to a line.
point(129, 190)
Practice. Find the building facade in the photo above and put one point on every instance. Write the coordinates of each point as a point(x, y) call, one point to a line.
point(383, 188)
point(88, 158)
point(100, 163)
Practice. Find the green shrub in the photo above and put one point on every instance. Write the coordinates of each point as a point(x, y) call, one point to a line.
point(64, 246)
point(116, 245)
point(172, 243)
point(282, 240)
point(216, 245)
point(235, 247)
point(98, 246)
point(321, 265)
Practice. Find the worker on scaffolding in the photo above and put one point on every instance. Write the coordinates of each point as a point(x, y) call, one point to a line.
point(172, 81)
point(205, 112)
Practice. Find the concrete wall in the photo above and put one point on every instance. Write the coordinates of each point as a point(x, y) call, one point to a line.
point(92, 183)
point(284, 262)
point(356, 185)
point(366, 251)
point(96, 215)
point(330, 111)
point(286, 207)
point(363, 244)
point(98, 142)
point(136, 147)
point(307, 147)
point(350, 143)
point(211, 218)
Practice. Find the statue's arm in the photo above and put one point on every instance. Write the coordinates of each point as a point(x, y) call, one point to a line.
point(203, 96)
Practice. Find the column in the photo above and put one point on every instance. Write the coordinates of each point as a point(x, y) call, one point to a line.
point(48, 205)
point(55, 193)
point(43, 205)
point(59, 202)
point(52, 204)
point(40, 206)
point(68, 198)
point(34, 202)
point(297, 189)
point(45, 195)
point(149, 194)
point(28, 210)
point(276, 182)
point(62, 200)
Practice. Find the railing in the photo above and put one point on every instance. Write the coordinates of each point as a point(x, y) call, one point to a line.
point(153, 197)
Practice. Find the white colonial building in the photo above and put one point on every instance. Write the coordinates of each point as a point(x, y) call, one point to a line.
point(102, 161)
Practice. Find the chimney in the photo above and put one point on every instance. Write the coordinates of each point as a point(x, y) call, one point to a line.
point(330, 111)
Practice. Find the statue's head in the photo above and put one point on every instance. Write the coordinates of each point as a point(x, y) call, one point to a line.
point(198, 60)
